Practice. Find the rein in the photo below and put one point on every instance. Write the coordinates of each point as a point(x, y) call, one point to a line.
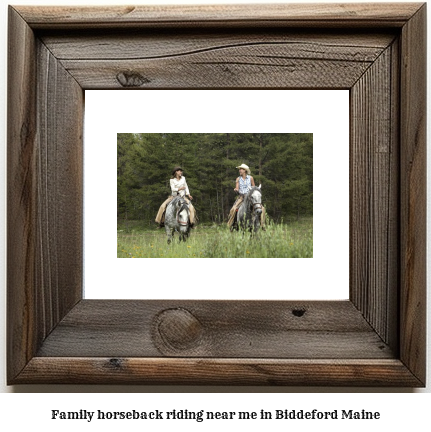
point(257, 205)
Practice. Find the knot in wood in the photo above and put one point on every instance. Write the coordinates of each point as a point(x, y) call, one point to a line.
point(298, 312)
point(131, 79)
point(115, 363)
point(178, 328)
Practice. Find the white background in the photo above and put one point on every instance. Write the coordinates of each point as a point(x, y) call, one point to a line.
point(400, 410)
point(323, 113)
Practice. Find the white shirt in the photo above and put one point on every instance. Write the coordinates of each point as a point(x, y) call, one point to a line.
point(176, 184)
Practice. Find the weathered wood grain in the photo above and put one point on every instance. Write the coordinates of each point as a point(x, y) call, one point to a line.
point(45, 106)
point(141, 44)
point(392, 301)
point(413, 194)
point(21, 196)
point(55, 337)
point(203, 72)
point(213, 60)
point(246, 66)
point(253, 15)
point(238, 329)
point(374, 195)
point(59, 182)
point(198, 371)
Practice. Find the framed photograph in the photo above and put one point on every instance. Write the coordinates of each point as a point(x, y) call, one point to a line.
point(376, 337)
point(295, 170)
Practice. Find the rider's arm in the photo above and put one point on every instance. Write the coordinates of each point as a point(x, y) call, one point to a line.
point(186, 187)
point(252, 181)
point(237, 185)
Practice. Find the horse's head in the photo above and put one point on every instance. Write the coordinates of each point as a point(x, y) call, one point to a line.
point(255, 198)
point(182, 211)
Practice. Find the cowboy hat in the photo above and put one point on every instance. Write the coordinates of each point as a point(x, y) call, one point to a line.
point(176, 169)
point(244, 166)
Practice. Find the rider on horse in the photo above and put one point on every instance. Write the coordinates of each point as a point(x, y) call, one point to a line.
point(178, 187)
point(243, 185)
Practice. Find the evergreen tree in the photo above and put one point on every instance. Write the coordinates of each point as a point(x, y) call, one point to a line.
point(282, 163)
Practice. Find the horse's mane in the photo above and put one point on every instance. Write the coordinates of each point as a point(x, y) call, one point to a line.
point(253, 188)
point(183, 202)
point(174, 201)
point(247, 197)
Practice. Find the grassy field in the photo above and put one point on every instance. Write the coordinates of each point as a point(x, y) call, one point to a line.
point(293, 240)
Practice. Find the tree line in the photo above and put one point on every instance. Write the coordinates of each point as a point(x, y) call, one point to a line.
point(282, 163)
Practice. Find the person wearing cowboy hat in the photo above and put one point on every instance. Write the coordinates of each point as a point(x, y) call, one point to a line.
point(178, 187)
point(243, 185)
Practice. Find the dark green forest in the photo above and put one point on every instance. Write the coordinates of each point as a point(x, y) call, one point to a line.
point(281, 163)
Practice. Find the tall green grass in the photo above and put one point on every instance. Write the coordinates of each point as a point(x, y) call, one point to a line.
point(293, 240)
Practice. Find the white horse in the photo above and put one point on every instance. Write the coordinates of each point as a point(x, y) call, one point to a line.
point(177, 218)
point(250, 210)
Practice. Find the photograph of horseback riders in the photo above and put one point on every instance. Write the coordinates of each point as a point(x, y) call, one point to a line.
point(214, 195)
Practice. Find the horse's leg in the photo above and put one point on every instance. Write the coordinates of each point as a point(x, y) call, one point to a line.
point(256, 225)
point(249, 222)
point(186, 233)
point(168, 233)
point(235, 223)
point(241, 219)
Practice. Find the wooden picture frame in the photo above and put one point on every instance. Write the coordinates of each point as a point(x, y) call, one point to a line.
point(376, 338)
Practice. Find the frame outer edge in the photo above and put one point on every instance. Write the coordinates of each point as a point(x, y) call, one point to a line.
point(293, 14)
point(21, 129)
point(21, 194)
point(413, 195)
point(199, 371)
